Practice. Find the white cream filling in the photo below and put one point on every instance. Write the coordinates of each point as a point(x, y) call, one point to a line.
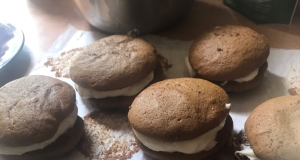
point(127, 91)
point(189, 67)
point(248, 152)
point(228, 105)
point(248, 77)
point(66, 124)
point(224, 83)
point(203, 142)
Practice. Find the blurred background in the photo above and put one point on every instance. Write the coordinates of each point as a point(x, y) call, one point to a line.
point(42, 21)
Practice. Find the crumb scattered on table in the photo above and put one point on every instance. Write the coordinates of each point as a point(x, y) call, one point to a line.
point(107, 136)
point(164, 62)
point(61, 64)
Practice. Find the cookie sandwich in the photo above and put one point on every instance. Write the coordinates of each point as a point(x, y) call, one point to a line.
point(184, 118)
point(38, 119)
point(233, 57)
point(272, 131)
point(113, 70)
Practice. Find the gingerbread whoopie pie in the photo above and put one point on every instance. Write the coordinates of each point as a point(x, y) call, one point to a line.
point(272, 131)
point(113, 70)
point(179, 119)
point(38, 119)
point(233, 57)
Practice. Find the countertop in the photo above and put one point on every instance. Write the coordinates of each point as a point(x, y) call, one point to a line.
point(42, 21)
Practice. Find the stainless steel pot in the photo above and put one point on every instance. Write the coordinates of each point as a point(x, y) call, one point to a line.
point(123, 16)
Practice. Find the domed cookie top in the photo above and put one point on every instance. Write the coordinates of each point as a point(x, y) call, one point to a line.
point(113, 63)
point(228, 52)
point(32, 108)
point(178, 109)
point(273, 128)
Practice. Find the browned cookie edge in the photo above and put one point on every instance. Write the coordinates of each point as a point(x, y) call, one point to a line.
point(32, 108)
point(123, 102)
point(228, 52)
point(64, 144)
point(118, 58)
point(222, 138)
point(232, 86)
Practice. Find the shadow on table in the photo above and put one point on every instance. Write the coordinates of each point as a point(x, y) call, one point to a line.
point(18, 67)
point(206, 14)
point(56, 7)
point(63, 11)
point(271, 87)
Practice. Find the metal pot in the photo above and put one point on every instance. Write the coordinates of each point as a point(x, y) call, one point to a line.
point(142, 16)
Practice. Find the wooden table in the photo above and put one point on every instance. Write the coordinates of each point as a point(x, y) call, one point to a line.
point(42, 21)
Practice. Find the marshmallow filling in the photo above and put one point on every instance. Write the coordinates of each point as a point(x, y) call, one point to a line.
point(127, 91)
point(189, 67)
point(66, 124)
point(228, 105)
point(248, 152)
point(247, 78)
point(204, 142)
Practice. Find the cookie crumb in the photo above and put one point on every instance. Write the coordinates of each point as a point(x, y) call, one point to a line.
point(49, 62)
point(164, 62)
point(240, 141)
point(61, 64)
point(107, 135)
point(293, 91)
